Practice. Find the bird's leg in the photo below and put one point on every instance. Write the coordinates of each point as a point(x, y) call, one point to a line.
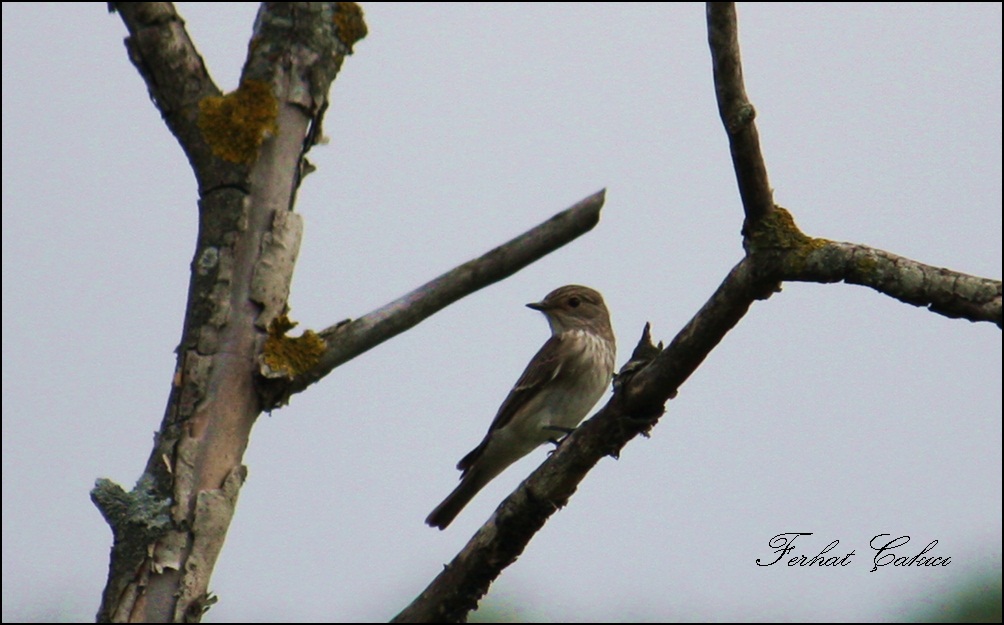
point(558, 428)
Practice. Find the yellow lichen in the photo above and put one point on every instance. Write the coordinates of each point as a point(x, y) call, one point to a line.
point(288, 357)
point(350, 24)
point(777, 230)
point(234, 125)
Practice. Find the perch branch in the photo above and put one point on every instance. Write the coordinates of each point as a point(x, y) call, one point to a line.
point(641, 390)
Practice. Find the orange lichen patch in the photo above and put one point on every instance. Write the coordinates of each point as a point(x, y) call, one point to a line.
point(234, 125)
point(288, 357)
point(350, 24)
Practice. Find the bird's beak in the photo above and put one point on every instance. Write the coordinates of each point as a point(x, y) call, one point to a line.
point(537, 306)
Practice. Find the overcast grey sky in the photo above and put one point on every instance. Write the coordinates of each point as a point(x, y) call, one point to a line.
point(829, 409)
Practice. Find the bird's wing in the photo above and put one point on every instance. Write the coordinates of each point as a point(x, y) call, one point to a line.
point(543, 367)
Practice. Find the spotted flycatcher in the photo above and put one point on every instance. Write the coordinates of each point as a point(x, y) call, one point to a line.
point(560, 385)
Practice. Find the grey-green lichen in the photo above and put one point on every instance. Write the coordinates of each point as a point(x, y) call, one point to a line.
point(208, 260)
point(141, 507)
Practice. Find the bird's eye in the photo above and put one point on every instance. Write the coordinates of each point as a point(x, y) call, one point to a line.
point(574, 302)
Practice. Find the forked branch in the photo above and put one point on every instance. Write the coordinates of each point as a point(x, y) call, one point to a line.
point(776, 250)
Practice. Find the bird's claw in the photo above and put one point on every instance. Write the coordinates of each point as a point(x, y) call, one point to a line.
point(558, 428)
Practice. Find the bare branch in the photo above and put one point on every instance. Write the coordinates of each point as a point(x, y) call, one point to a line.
point(784, 252)
point(737, 112)
point(949, 293)
point(175, 75)
point(347, 340)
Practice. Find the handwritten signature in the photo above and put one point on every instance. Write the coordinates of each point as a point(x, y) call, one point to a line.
point(887, 552)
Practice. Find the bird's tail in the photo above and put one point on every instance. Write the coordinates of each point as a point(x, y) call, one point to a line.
point(469, 486)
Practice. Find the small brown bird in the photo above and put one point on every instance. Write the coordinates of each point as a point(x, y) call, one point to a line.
point(561, 384)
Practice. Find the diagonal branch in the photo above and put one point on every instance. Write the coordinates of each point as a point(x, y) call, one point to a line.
point(174, 72)
point(737, 113)
point(642, 388)
point(346, 340)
